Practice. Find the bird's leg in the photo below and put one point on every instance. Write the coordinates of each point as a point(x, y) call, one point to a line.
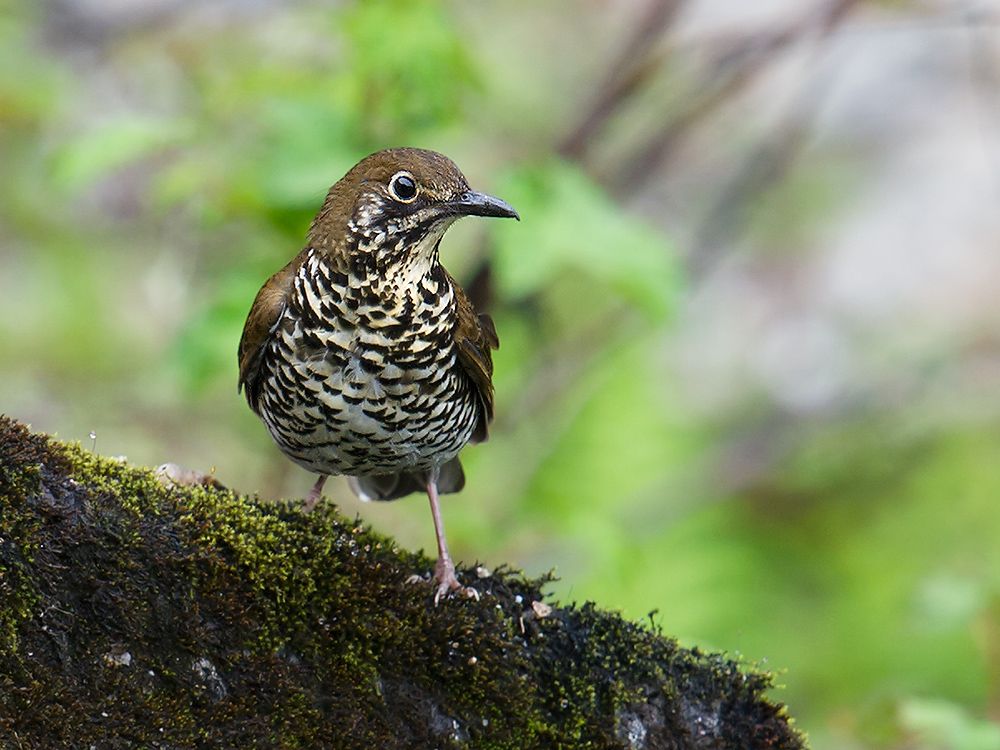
point(315, 494)
point(444, 569)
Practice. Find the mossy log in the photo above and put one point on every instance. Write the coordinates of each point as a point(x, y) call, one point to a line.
point(137, 615)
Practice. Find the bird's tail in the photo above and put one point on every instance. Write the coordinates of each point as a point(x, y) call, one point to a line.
point(402, 483)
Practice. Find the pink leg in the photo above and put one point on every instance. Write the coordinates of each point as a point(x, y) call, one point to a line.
point(444, 569)
point(315, 494)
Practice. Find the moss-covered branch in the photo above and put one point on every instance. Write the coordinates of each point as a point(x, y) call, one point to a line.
point(137, 615)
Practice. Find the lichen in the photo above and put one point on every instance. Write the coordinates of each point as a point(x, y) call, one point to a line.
point(135, 614)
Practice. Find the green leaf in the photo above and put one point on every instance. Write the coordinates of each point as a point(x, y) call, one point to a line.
point(569, 223)
point(308, 150)
point(30, 82)
point(940, 723)
point(409, 65)
point(110, 146)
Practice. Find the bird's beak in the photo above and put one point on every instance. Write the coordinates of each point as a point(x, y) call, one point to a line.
point(479, 204)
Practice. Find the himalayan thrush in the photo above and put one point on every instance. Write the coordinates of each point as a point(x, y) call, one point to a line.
point(363, 356)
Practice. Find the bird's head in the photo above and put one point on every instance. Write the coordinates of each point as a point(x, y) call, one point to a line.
point(394, 206)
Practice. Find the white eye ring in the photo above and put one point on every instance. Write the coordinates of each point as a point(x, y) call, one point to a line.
point(403, 187)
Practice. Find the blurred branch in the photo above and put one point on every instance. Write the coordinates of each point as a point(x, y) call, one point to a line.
point(634, 66)
point(984, 62)
point(764, 167)
point(95, 24)
point(740, 63)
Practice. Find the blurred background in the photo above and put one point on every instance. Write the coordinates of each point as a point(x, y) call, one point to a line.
point(749, 383)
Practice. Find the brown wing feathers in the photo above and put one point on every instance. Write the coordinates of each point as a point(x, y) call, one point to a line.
point(264, 316)
point(475, 337)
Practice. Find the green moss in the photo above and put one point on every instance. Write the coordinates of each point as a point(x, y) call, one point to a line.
point(201, 617)
point(24, 457)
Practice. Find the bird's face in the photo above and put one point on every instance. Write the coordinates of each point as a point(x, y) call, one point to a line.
point(403, 201)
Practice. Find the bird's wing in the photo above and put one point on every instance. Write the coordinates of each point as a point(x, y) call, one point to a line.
point(271, 301)
point(475, 335)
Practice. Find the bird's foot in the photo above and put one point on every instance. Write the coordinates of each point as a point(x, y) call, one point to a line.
point(444, 574)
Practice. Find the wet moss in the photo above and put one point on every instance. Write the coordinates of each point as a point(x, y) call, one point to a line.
point(137, 615)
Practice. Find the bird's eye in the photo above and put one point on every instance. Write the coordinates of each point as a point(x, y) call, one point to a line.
point(403, 187)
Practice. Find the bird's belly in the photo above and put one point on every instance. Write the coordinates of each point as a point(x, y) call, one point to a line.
point(348, 409)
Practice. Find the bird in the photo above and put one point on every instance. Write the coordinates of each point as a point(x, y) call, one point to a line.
point(363, 357)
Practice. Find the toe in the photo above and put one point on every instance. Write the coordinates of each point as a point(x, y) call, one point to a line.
point(444, 574)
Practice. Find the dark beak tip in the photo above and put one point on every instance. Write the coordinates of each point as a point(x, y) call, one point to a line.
point(481, 204)
point(504, 210)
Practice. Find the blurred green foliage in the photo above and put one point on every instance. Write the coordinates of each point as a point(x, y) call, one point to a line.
point(151, 182)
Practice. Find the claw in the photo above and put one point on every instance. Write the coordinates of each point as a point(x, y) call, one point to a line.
point(444, 574)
